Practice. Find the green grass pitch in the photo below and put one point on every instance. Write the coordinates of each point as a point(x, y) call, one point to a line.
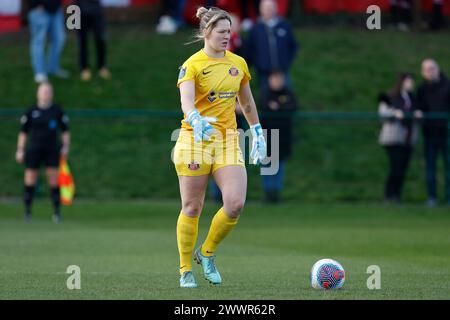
point(127, 250)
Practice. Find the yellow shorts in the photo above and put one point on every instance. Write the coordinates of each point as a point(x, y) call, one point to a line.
point(205, 157)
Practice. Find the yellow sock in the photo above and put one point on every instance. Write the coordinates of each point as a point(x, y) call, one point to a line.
point(187, 230)
point(221, 225)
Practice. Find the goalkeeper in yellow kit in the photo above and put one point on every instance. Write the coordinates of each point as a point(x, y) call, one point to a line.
point(209, 82)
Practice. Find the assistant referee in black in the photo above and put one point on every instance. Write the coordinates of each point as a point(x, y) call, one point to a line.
point(39, 144)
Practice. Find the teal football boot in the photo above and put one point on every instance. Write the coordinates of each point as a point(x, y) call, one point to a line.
point(209, 268)
point(187, 280)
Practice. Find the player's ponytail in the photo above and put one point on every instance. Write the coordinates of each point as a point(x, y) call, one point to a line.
point(208, 20)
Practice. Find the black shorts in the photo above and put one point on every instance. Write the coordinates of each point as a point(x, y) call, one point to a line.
point(34, 157)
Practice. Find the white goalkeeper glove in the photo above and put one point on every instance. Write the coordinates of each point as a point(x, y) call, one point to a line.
point(201, 126)
point(259, 147)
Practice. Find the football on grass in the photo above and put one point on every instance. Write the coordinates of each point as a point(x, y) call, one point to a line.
point(327, 274)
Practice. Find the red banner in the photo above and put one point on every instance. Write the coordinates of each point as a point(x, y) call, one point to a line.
point(360, 6)
point(334, 6)
point(428, 5)
point(234, 6)
point(132, 2)
point(141, 2)
point(9, 24)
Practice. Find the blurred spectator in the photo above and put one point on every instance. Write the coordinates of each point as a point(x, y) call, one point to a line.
point(46, 19)
point(399, 133)
point(171, 17)
point(271, 44)
point(92, 19)
point(235, 43)
point(437, 15)
point(433, 95)
point(277, 103)
point(243, 6)
point(247, 21)
point(38, 144)
point(211, 3)
point(401, 14)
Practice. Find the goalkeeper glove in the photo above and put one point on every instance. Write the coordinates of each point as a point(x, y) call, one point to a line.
point(259, 147)
point(201, 126)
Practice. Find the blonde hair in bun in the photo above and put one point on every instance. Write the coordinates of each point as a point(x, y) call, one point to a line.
point(200, 12)
point(208, 20)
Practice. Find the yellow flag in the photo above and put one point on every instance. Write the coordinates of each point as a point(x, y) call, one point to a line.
point(65, 182)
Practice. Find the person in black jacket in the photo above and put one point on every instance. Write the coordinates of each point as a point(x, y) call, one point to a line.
point(401, 14)
point(41, 122)
point(92, 19)
point(277, 103)
point(433, 95)
point(437, 20)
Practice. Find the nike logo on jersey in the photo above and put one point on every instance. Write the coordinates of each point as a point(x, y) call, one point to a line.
point(205, 73)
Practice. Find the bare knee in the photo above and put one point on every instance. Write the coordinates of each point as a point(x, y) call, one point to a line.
point(52, 177)
point(233, 207)
point(52, 182)
point(192, 208)
point(30, 178)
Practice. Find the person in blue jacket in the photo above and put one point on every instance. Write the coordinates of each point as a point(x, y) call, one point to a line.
point(271, 44)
